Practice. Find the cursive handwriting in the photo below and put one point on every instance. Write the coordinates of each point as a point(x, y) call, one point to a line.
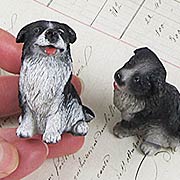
point(143, 159)
point(160, 29)
point(13, 21)
point(106, 160)
point(9, 24)
point(82, 161)
point(126, 161)
point(148, 18)
point(176, 36)
point(50, 177)
point(115, 8)
point(157, 4)
point(84, 63)
point(166, 156)
point(49, 3)
point(60, 162)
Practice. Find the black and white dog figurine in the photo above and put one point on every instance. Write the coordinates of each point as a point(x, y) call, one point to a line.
point(149, 106)
point(50, 104)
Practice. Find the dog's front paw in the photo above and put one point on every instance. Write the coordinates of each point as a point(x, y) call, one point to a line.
point(24, 131)
point(51, 137)
point(174, 145)
point(20, 119)
point(120, 132)
point(149, 148)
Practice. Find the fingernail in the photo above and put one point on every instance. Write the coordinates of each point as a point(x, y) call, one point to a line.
point(46, 148)
point(8, 158)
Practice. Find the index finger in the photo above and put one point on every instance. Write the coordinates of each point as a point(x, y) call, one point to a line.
point(68, 145)
point(10, 52)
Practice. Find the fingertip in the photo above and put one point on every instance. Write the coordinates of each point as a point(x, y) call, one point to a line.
point(9, 158)
point(77, 84)
point(32, 153)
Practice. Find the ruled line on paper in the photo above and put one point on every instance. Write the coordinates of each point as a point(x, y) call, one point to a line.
point(99, 12)
point(165, 16)
point(99, 53)
point(132, 19)
point(83, 10)
point(77, 20)
point(101, 31)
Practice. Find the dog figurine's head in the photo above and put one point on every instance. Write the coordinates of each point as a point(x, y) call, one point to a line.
point(46, 38)
point(143, 75)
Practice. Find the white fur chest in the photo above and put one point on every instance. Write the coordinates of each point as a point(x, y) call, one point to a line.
point(41, 80)
point(127, 104)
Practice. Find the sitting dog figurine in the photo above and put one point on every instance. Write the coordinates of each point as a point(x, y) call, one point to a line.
point(50, 104)
point(150, 107)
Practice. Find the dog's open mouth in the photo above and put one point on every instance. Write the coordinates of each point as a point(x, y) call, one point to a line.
point(117, 87)
point(51, 50)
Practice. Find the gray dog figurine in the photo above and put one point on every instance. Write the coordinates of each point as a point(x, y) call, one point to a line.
point(50, 104)
point(150, 107)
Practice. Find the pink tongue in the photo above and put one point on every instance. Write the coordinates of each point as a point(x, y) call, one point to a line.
point(50, 50)
point(115, 85)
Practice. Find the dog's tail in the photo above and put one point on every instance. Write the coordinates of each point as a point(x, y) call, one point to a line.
point(89, 115)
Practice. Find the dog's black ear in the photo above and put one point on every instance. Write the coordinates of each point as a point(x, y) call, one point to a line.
point(71, 33)
point(158, 80)
point(140, 50)
point(160, 86)
point(21, 35)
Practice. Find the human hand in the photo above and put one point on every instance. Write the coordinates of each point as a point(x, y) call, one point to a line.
point(19, 157)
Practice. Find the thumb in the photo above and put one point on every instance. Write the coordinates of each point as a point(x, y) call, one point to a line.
point(9, 158)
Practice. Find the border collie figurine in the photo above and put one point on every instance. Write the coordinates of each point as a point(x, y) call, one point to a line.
point(50, 104)
point(149, 106)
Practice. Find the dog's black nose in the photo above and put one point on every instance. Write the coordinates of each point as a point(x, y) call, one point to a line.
point(51, 35)
point(118, 78)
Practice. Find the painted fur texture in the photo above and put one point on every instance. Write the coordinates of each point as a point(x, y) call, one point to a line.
point(149, 106)
point(50, 104)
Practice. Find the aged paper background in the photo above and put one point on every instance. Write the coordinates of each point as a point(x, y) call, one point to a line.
point(108, 32)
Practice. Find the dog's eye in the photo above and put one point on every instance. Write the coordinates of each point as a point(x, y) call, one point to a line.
point(136, 79)
point(37, 29)
point(61, 31)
